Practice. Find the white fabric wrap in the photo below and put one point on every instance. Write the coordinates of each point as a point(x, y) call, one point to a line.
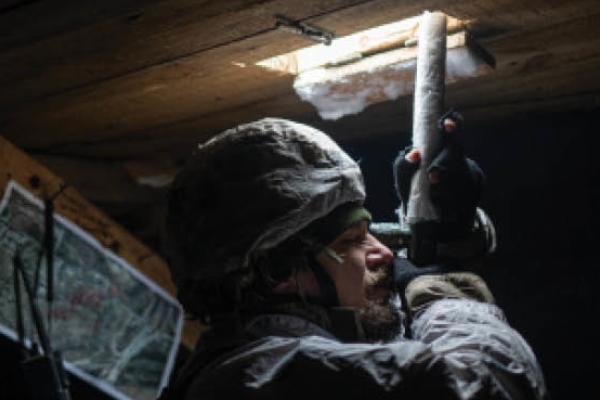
point(428, 106)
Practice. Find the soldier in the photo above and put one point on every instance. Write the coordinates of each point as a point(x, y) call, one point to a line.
point(269, 246)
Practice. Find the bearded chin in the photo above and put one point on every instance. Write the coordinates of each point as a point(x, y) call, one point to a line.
point(381, 322)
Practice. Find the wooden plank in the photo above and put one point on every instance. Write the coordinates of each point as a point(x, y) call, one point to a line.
point(381, 119)
point(33, 20)
point(532, 90)
point(560, 60)
point(203, 84)
point(72, 205)
point(487, 113)
point(91, 178)
point(162, 33)
point(131, 41)
point(111, 48)
point(520, 57)
point(179, 90)
point(514, 16)
point(8, 6)
point(178, 139)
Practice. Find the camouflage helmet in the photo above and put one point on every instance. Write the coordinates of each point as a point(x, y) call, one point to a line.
point(246, 191)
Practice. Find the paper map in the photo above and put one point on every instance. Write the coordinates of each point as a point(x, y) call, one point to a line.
point(116, 328)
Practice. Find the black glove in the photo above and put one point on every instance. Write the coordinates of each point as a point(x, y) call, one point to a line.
point(403, 173)
point(404, 271)
point(456, 181)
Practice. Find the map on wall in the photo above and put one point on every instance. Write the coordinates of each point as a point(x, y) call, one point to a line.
point(116, 328)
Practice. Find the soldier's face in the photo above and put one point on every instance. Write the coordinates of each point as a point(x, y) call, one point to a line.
point(364, 274)
point(363, 280)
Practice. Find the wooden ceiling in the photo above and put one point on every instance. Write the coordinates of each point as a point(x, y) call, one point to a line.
point(110, 93)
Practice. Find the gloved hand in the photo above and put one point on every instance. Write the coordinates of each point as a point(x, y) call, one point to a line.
point(464, 232)
point(404, 271)
point(456, 181)
point(421, 286)
point(405, 165)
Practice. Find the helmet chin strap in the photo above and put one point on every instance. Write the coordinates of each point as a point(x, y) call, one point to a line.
point(327, 288)
point(344, 321)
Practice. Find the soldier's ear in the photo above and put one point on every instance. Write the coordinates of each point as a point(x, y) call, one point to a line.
point(289, 286)
point(302, 283)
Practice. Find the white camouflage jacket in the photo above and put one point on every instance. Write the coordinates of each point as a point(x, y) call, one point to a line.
point(459, 349)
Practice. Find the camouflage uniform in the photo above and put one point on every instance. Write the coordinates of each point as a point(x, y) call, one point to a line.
point(245, 193)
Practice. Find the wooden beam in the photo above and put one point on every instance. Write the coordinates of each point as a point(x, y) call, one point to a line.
point(92, 178)
point(176, 140)
point(557, 61)
point(92, 47)
point(546, 92)
point(72, 205)
point(381, 119)
point(513, 16)
point(33, 20)
point(163, 33)
point(550, 59)
point(487, 113)
point(8, 6)
point(211, 82)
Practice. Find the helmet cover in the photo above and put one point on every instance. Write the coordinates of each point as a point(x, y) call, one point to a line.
point(249, 189)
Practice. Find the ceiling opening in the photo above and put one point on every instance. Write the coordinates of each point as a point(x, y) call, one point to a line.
point(374, 65)
point(353, 47)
